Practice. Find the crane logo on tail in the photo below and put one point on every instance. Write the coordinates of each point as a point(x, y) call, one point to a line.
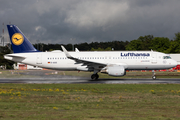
point(17, 39)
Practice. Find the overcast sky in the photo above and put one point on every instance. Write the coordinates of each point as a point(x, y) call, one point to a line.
point(78, 21)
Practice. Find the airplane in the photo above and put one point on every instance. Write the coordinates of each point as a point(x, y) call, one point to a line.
point(113, 63)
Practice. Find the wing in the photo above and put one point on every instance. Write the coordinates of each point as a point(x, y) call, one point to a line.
point(89, 64)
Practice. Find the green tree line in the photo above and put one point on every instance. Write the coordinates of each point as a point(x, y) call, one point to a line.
point(117, 45)
point(160, 44)
point(147, 42)
point(3, 62)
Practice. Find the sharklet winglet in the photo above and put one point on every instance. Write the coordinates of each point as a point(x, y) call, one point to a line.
point(76, 50)
point(66, 52)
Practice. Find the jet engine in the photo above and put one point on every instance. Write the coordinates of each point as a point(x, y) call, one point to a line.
point(116, 70)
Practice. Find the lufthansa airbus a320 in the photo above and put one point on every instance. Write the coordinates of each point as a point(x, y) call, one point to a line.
point(113, 63)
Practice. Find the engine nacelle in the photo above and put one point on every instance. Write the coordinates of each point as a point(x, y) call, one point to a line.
point(116, 70)
point(84, 68)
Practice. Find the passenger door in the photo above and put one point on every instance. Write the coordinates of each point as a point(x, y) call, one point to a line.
point(154, 58)
point(39, 59)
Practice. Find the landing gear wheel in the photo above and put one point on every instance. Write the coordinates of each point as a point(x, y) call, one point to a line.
point(153, 77)
point(94, 76)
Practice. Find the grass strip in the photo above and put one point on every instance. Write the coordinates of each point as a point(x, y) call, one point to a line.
point(89, 101)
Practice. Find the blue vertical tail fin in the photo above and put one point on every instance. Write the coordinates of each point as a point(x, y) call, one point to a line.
point(20, 43)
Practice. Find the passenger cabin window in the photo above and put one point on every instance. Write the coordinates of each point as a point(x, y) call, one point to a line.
point(166, 57)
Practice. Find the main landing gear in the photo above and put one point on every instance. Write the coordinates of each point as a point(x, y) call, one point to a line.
point(94, 76)
point(153, 75)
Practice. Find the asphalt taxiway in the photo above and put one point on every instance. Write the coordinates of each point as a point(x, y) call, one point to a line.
point(85, 80)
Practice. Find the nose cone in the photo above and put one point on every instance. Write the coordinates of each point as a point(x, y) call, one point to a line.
point(174, 63)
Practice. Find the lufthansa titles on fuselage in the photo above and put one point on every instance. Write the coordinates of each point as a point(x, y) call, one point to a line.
point(135, 54)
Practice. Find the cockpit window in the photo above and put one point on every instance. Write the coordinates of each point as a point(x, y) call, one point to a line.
point(166, 57)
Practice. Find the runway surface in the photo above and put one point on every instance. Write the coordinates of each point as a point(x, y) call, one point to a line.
point(52, 77)
point(84, 80)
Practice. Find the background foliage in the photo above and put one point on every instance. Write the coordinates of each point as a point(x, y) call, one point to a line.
point(147, 42)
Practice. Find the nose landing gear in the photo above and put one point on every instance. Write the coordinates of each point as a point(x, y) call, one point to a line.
point(153, 75)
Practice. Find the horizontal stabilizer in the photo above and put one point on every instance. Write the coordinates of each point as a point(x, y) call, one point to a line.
point(15, 55)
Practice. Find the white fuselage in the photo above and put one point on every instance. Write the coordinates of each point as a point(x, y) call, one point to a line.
point(130, 60)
